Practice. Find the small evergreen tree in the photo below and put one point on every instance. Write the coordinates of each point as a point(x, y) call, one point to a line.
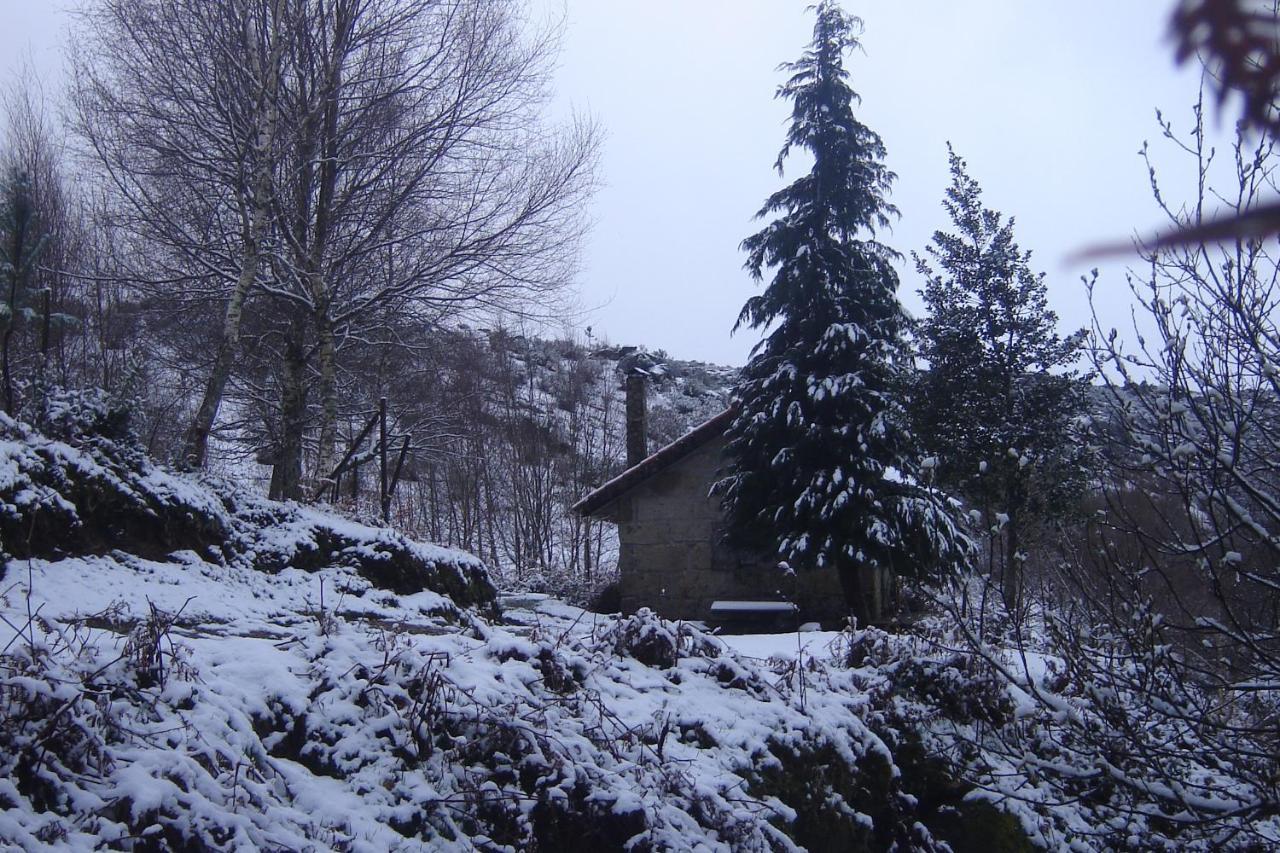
point(20, 243)
point(998, 408)
point(820, 463)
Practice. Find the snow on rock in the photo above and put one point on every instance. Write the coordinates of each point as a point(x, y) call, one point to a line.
point(79, 486)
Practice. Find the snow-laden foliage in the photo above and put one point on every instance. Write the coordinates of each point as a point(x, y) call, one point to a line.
point(1167, 605)
point(820, 423)
point(1103, 742)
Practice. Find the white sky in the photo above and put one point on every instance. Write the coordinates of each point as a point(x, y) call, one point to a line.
point(1048, 102)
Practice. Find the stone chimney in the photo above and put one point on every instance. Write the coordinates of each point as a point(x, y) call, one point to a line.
point(637, 444)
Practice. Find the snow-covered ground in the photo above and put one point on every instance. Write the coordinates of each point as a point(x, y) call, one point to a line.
point(203, 703)
point(312, 710)
point(785, 646)
point(184, 665)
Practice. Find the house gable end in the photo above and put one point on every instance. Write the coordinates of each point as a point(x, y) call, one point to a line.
point(601, 502)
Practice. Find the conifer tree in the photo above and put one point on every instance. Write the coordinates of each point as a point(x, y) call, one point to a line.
point(20, 243)
point(820, 463)
point(998, 407)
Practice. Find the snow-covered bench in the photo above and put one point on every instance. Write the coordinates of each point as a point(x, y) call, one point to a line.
point(728, 608)
point(779, 615)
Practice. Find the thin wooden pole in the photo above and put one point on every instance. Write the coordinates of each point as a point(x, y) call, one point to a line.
point(382, 457)
point(342, 466)
point(395, 476)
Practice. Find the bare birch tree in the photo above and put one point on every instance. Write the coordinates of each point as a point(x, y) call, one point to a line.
point(420, 178)
point(177, 101)
point(399, 149)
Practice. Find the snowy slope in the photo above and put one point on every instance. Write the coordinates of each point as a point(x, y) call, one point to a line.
point(186, 667)
point(239, 712)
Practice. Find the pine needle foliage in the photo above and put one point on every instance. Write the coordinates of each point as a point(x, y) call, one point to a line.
point(820, 462)
point(999, 408)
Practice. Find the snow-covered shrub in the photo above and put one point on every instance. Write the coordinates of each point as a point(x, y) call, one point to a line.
point(1092, 739)
point(150, 650)
point(80, 417)
point(658, 642)
point(71, 711)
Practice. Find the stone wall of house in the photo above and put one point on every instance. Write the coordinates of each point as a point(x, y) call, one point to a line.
point(673, 560)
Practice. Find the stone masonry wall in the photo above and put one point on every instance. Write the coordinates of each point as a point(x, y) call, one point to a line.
point(671, 557)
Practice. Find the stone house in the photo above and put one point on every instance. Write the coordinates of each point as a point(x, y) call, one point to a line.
point(672, 555)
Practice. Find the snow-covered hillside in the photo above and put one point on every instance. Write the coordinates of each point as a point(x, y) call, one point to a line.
point(184, 666)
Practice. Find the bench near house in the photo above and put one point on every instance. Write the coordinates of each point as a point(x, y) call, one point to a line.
point(672, 556)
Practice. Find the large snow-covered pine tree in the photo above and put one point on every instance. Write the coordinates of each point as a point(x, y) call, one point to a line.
point(820, 463)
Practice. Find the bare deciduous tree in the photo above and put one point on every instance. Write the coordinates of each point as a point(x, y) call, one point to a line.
point(177, 102)
point(1155, 670)
point(327, 162)
point(420, 178)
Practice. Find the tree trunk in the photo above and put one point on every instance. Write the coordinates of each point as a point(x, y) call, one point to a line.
point(317, 284)
point(286, 481)
point(866, 592)
point(328, 397)
point(196, 442)
point(17, 265)
point(1011, 577)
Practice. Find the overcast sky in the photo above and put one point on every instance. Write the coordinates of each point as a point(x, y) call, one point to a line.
point(1048, 102)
